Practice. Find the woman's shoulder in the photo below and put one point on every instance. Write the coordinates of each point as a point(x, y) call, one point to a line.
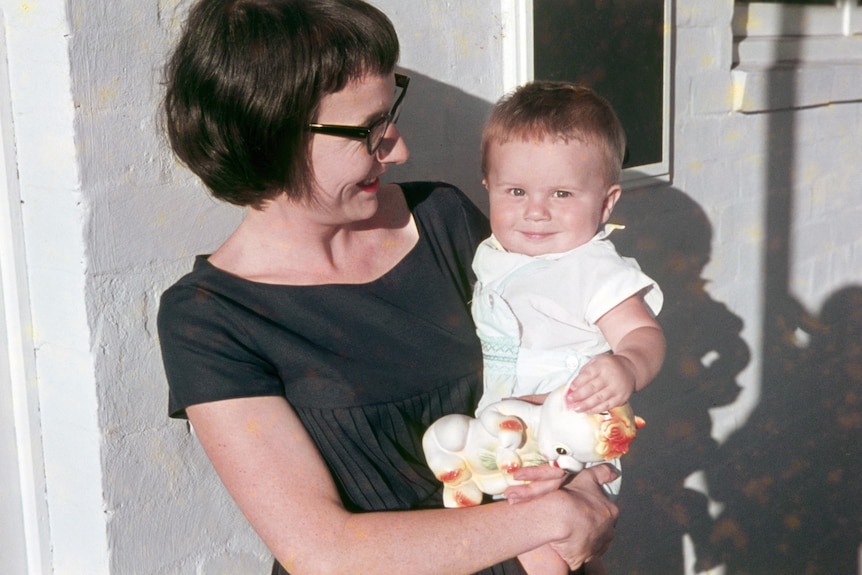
point(200, 291)
point(433, 195)
point(439, 203)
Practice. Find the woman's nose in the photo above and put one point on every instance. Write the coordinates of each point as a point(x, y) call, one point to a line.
point(393, 149)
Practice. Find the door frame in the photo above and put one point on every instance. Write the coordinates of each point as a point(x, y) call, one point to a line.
point(23, 508)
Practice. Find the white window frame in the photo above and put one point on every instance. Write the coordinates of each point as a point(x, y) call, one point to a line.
point(817, 48)
point(517, 20)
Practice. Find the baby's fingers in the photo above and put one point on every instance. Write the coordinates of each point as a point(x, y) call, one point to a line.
point(587, 394)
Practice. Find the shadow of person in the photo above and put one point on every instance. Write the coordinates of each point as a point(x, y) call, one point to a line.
point(669, 235)
point(789, 478)
point(442, 127)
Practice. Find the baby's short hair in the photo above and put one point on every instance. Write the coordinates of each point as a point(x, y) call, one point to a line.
point(563, 110)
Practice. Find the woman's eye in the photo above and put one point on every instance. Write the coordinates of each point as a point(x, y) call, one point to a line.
point(562, 194)
point(517, 192)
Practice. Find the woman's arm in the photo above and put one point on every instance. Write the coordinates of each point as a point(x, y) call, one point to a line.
point(272, 469)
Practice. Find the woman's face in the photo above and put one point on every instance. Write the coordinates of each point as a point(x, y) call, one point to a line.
point(347, 176)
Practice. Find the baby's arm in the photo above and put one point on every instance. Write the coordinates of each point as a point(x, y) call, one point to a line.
point(638, 348)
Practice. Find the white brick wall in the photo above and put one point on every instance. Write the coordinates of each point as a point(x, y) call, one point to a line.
point(111, 220)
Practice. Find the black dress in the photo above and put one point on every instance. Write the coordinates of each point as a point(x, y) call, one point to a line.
point(366, 367)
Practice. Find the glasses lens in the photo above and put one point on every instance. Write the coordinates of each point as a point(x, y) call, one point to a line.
point(377, 133)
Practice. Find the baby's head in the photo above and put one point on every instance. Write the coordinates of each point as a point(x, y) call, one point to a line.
point(552, 155)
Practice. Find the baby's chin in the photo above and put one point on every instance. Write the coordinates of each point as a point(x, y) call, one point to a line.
point(530, 244)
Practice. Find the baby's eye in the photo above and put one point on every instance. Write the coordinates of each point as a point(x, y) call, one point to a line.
point(562, 194)
point(517, 192)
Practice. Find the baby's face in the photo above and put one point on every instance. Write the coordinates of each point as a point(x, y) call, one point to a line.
point(547, 196)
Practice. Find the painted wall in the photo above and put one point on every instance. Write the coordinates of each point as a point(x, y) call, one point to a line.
point(757, 235)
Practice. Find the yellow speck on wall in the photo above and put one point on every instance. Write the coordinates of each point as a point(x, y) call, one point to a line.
point(107, 94)
point(792, 522)
point(754, 23)
point(755, 159)
point(733, 136)
point(737, 92)
point(754, 234)
point(810, 174)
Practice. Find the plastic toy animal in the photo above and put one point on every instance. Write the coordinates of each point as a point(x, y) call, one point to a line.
point(472, 456)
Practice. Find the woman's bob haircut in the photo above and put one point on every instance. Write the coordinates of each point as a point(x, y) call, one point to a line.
point(247, 77)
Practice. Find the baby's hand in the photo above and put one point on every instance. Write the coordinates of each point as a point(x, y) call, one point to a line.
point(606, 381)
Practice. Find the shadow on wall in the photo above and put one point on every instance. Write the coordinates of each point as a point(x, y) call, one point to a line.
point(442, 126)
point(786, 483)
point(789, 479)
point(670, 236)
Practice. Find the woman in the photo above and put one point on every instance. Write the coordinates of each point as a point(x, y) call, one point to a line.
point(312, 349)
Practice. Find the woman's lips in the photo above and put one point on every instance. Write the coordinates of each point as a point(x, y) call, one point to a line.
point(372, 187)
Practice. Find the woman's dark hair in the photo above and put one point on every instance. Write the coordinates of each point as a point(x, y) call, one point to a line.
point(247, 77)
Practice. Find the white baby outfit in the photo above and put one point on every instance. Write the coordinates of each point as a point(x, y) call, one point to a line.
point(536, 316)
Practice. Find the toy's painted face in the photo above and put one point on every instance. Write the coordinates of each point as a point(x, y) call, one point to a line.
point(562, 458)
point(617, 430)
point(569, 440)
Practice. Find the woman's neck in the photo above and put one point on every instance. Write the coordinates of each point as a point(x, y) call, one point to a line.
point(291, 244)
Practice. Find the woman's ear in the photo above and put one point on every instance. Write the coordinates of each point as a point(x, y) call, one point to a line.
point(611, 196)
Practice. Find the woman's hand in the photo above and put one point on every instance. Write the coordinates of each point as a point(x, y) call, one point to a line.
point(593, 517)
point(543, 479)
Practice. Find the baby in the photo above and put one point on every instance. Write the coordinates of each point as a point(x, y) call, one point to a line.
point(554, 301)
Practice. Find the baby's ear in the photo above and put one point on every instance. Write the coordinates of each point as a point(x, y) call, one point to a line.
point(611, 196)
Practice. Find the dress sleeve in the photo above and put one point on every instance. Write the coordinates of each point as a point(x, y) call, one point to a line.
point(206, 353)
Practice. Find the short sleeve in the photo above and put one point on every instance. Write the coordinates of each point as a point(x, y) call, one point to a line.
point(207, 355)
point(616, 279)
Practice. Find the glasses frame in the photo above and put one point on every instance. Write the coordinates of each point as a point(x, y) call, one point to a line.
point(362, 132)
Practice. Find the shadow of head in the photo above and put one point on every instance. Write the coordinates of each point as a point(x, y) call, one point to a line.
point(442, 126)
